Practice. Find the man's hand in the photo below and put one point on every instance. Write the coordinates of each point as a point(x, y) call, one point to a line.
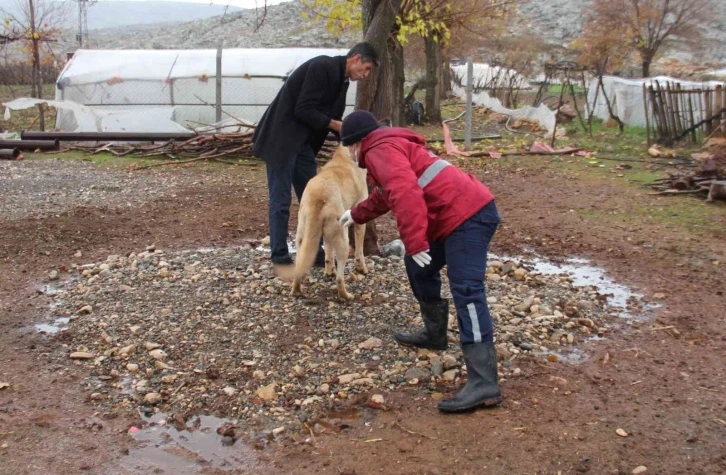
point(422, 258)
point(335, 125)
point(346, 220)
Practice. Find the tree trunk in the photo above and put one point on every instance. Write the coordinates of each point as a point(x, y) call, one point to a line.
point(433, 84)
point(399, 78)
point(37, 83)
point(376, 94)
point(646, 58)
point(445, 78)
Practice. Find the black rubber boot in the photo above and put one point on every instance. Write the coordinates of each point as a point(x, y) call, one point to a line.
point(482, 388)
point(433, 334)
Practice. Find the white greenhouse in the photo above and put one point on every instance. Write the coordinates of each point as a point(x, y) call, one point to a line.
point(173, 90)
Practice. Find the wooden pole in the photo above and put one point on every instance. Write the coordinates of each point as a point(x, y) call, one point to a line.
point(645, 111)
point(218, 94)
point(469, 101)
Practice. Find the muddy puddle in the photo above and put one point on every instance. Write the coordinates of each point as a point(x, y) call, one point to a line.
point(620, 299)
point(198, 448)
point(51, 328)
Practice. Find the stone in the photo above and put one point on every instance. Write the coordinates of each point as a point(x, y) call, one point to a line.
point(450, 375)
point(258, 374)
point(503, 353)
point(85, 310)
point(525, 305)
point(53, 275)
point(362, 382)
point(324, 388)
point(268, 392)
point(494, 277)
point(520, 274)
point(132, 367)
point(151, 346)
point(105, 273)
point(659, 296)
point(347, 378)
point(278, 431)
point(525, 345)
point(152, 398)
point(371, 343)
point(229, 391)
point(298, 371)
point(81, 355)
point(640, 469)
point(134, 329)
point(228, 441)
point(421, 374)
point(158, 354)
point(96, 397)
point(127, 350)
point(621, 432)
point(449, 362)
point(437, 368)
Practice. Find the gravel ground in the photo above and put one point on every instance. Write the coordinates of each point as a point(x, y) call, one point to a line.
point(36, 188)
point(213, 331)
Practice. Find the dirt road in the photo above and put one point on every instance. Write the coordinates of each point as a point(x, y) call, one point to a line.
point(664, 388)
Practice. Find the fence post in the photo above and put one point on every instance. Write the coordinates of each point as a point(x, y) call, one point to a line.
point(469, 101)
point(219, 81)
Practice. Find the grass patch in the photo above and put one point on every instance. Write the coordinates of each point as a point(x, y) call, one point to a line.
point(27, 119)
point(103, 159)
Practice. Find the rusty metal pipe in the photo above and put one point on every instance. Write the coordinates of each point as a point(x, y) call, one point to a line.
point(9, 154)
point(106, 136)
point(30, 144)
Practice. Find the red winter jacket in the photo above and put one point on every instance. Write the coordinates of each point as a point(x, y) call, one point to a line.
point(395, 159)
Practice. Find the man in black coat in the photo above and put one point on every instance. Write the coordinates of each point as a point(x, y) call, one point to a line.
point(294, 128)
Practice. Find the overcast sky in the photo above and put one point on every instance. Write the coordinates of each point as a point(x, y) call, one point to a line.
point(236, 3)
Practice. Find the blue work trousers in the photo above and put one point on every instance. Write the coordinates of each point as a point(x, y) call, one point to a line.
point(464, 252)
point(294, 173)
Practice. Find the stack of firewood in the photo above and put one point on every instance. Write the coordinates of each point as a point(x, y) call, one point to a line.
point(709, 179)
point(236, 146)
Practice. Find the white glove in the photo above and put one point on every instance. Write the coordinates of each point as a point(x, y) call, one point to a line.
point(346, 220)
point(422, 258)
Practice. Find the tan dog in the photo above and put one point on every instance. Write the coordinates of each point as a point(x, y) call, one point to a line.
point(339, 186)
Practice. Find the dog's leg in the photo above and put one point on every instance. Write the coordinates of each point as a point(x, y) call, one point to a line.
point(329, 258)
point(360, 261)
point(341, 256)
point(296, 287)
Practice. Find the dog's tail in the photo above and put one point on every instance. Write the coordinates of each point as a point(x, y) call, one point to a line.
point(307, 242)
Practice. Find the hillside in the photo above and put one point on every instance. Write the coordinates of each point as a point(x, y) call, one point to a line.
point(113, 14)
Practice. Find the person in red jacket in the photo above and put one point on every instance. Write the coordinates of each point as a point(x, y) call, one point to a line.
point(445, 218)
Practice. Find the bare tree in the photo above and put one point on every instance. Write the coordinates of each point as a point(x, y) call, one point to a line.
point(38, 23)
point(652, 26)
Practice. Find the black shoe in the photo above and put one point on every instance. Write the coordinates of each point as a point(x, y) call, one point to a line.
point(285, 260)
point(320, 259)
point(433, 334)
point(482, 388)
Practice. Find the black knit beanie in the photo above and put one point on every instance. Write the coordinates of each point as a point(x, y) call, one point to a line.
point(357, 126)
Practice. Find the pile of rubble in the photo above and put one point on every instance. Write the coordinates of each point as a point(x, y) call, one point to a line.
point(213, 331)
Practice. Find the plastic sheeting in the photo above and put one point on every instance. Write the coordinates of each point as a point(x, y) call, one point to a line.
point(491, 76)
point(81, 118)
point(626, 97)
point(541, 114)
point(180, 81)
